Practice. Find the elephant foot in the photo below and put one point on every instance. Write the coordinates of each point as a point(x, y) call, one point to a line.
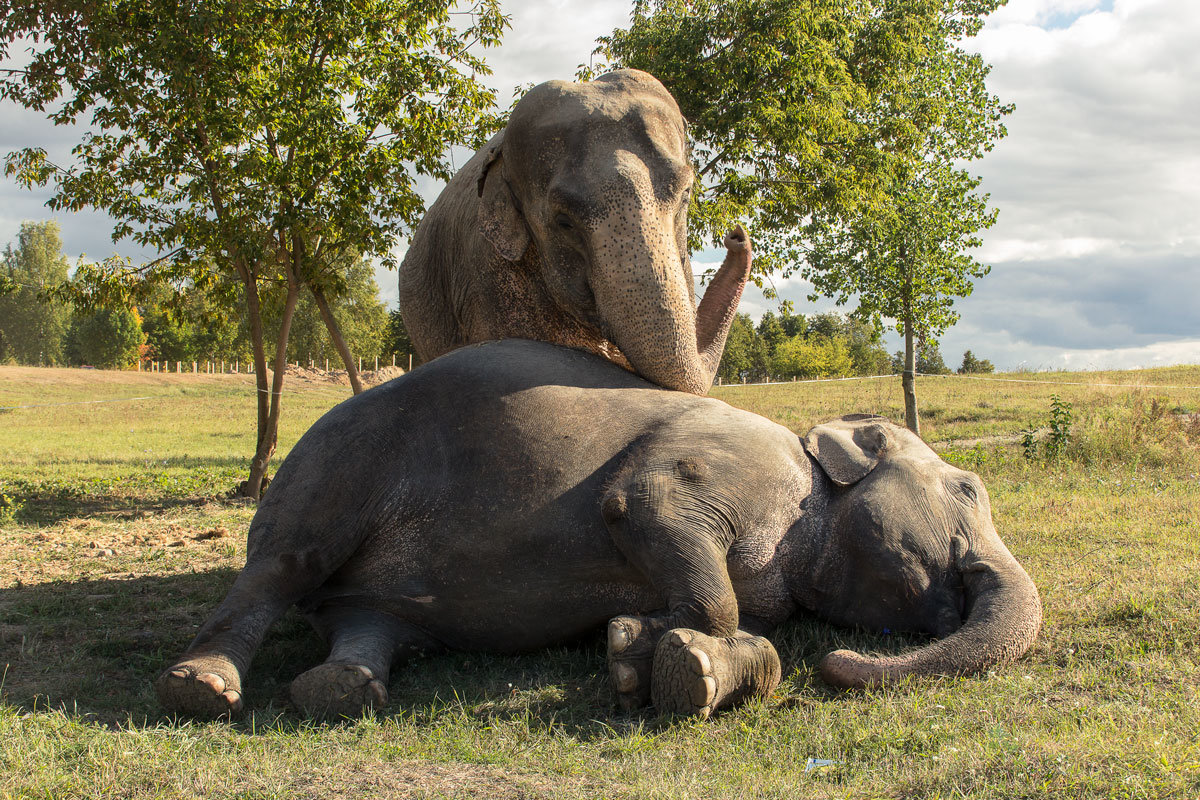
point(631, 643)
point(205, 686)
point(333, 691)
point(695, 675)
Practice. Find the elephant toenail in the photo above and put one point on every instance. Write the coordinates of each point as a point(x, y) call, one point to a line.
point(624, 678)
point(699, 661)
point(618, 637)
point(704, 691)
point(679, 638)
point(213, 681)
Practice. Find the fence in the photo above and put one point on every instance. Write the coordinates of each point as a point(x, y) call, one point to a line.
point(234, 367)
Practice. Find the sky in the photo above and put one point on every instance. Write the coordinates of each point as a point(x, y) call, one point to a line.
point(1096, 255)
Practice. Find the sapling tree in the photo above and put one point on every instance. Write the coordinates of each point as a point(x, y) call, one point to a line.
point(249, 142)
point(33, 324)
point(912, 256)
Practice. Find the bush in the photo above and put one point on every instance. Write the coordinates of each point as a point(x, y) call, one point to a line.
point(111, 338)
point(817, 357)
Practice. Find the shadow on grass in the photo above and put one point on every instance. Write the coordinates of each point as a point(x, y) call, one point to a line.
point(93, 648)
point(141, 489)
point(50, 507)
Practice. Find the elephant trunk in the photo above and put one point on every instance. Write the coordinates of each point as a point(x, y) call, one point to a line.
point(1005, 615)
point(653, 319)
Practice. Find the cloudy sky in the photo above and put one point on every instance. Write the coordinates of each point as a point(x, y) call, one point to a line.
point(1096, 257)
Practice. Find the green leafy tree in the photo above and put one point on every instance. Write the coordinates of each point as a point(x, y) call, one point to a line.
point(253, 143)
point(911, 257)
point(32, 323)
point(361, 318)
point(795, 107)
point(771, 332)
point(745, 355)
point(813, 357)
point(835, 130)
point(929, 359)
point(975, 366)
point(111, 338)
point(183, 323)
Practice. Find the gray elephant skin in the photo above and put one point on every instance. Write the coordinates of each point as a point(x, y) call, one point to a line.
point(514, 495)
point(570, 226)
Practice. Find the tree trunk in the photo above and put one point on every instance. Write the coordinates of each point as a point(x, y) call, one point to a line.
point(268, 438)
point(339, 341)
point(252, 487)
point(909, 381)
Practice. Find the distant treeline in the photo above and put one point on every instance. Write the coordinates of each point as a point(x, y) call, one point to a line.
point(784, 346)
point(171, 323)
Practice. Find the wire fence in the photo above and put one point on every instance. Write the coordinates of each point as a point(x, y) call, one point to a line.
point(956, 376)
point(952, 376)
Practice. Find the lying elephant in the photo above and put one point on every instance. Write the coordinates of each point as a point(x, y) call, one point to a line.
point(515, 494)
point(570, 226)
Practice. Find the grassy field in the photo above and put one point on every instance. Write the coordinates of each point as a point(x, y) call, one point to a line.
point(115, 543)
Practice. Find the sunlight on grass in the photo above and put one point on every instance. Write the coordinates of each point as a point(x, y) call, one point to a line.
point(119, 542)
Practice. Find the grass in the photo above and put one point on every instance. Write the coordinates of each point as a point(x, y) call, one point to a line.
point(116, 543)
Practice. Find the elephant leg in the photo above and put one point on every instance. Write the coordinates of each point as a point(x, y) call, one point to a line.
point(681, 545)
point(364, 644)
point(695, 674)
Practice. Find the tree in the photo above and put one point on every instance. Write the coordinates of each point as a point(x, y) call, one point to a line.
point(975, 366)
point(929, 359)
point(770, 330)
point(813, 357)
point(252, 143)
point(183, 323)
point(111, 338)
point(33, 324)
point(911, 257)
point(398, 340)
point(788, 103)
point(745, 355)
point(835, 128)
point(360, 315)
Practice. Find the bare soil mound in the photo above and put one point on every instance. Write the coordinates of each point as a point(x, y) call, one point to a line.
point(339, 377)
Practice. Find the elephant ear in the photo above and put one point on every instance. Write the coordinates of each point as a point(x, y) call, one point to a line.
point(850, 447)
point(500, 219)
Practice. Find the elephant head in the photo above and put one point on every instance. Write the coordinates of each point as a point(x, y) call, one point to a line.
point(912, 547)
point(589, 185)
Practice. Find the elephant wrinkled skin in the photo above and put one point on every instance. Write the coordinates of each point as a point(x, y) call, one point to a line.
point(512, 495)
point(570, 226)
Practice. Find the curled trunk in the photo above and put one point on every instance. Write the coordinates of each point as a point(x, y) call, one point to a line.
point(665, 339)
point(1005, 615)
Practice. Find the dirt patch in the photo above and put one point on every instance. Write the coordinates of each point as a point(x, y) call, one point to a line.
point(338, 377)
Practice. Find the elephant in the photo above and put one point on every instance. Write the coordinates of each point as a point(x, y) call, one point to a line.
point(513, 495)
point(570, 226)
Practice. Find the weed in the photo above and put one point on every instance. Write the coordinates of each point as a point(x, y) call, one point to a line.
point(1060, 427)
point(9, 508)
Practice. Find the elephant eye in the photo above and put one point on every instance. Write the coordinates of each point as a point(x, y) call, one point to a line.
point(564, 222)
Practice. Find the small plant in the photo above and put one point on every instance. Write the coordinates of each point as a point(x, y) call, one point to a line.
point(1060, 432)
point(1029, 443)
point(9, 506)
point(1060, 427)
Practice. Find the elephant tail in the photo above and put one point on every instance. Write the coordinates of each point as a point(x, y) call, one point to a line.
point(1003, 620)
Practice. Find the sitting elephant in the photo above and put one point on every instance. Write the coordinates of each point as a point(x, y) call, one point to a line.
point(514, 495)
point(570, 226)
